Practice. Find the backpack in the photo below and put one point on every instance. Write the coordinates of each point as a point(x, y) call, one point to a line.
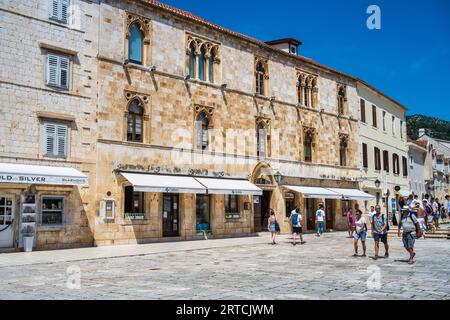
point(295, 219)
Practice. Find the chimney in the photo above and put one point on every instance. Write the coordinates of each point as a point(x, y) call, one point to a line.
point(289, 45)
point(422, 132)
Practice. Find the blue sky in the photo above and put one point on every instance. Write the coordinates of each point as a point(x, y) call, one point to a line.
point(408, 59)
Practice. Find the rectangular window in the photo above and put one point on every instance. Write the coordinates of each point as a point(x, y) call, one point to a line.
point(386, 161)
point(231, 204)
point(59, 10)
point(405, 166)
point(363, 110)
point(384, 120)
point(393, 125)
point(52, 209)
point(290, 203)
point(377, 159)
point(57, 70)
point(55, 140)
point(134, 201)
point(374, 116)
point(401, 129)
point(365, 156)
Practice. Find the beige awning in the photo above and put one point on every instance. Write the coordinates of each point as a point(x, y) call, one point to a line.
point(163, 183)
point(229, 186)
point(315, 192)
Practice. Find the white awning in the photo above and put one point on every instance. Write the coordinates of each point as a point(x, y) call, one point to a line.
point(353, 194)
point(315, 192)
point(31, 174)
point(229, 186)
point(161, 183)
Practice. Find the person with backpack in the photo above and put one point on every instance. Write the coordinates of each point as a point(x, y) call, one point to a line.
point(296, 222)
point(411, 232)
point(320, 220)
point(380, 227)
point(360, 233)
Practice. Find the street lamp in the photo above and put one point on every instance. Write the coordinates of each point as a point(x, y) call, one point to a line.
point(278, 176)
point(377, 183)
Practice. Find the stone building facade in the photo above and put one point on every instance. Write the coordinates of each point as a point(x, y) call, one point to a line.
point(383, 149)
point(437, 165)
point(37, 100)
point(183, 128)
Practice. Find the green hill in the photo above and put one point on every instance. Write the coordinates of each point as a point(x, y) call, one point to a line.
point(436, 128)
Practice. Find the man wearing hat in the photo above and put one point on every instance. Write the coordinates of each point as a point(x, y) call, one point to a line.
point(411, 231)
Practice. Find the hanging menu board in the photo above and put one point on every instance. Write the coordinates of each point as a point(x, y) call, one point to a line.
point(28, 215)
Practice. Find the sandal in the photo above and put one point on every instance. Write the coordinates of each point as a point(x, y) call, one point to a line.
point(411, 262)
point(355, 255)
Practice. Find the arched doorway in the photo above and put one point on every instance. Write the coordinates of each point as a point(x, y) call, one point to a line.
point(262, 177)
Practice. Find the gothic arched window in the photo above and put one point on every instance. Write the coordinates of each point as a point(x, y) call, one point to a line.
point(307, 146)
point(135, 44)
point(192, 60)
point(202, 126)
point(135, 121)
point(212, 58)
point(202, 64)
point(261, 140)
point(341, 100)
point(343, 152)
point(260, 73)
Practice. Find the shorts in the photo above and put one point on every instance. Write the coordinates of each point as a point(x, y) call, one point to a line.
point(380, 237)
point(272, 228)
point(409, 239)
point(436, 216)
point(297, 230)
point(362, 235)
point(443, 216)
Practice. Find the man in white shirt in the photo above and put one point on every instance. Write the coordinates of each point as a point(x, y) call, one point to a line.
point(371, 213)
point(320, 220)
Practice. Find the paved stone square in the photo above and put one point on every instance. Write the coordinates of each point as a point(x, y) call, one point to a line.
point(241, 268)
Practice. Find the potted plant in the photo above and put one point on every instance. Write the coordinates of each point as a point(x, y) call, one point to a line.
point(28, 238)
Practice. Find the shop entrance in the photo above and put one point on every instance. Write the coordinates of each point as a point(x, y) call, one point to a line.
point(171, 221)
point(6, 221)
point(330, 210)
point(311, 214)
point(261, 214)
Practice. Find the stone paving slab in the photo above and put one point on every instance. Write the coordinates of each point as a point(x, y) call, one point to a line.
point(243, 269)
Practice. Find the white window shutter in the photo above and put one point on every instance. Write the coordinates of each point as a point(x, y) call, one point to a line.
point(64, 72)
point(64, 10)
point(49, 139)
point(53, 8)
point(52, 69)
point(61, 140)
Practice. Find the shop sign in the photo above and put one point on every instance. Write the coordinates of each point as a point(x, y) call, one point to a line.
point(37, 179)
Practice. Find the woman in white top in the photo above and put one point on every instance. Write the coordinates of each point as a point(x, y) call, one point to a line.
point(360, 233)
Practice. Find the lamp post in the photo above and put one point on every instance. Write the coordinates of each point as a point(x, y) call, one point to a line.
point(278, 176)
point(377, 184)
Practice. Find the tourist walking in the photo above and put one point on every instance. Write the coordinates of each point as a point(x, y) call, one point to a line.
point(360, 233)
point(350, 222)
point(320, 220)
point(274, 227)
point(379, 231)
point(296, 222)
point(411, 232)
point(421, 217)
point(436, 213)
